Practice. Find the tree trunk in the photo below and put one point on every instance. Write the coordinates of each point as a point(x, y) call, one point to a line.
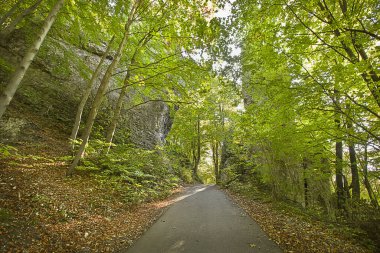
point(10, 12)
point(120, 100)
point(341, 200)
point(355, 183)
point(224, 155)
point(101, 90)
point(346, 188)
point(367, 184)
point(194, 155)
point(12, 26)
point(197, 151)
point(116, 114)
point(18, 75)
point(215, 158)
point(87, 93)
point(339, 174)
point(305, 182)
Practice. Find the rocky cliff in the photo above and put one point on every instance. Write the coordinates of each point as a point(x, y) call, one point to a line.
point(53, 86)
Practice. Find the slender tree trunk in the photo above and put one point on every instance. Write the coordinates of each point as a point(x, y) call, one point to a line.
point(339, 173)
point(116, 114)
point(12, 26)
point(10, 12)
point(18, 75)
point(346, 187)
point(101, 90)
point(198, 141)
point(215, 158)
point(305, 182)
point(87, 93)
point(367, 184)
point(355, 184)
point(120, 100)
point(194, 155)
point(197, 151)
point(339, 158)
point(224, 155)
point(223, 143)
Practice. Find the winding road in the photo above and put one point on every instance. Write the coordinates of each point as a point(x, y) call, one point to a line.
point(204, 220)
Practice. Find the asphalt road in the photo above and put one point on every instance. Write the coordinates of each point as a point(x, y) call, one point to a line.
point(204, 220)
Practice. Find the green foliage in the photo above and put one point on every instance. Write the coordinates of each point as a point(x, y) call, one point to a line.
point(301, 71)
point(7, 151)
point(186, 175)
point(180, 164)
point(138, 175)
point(5, 66)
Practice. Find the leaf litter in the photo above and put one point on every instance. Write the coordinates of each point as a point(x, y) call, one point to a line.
point(294, 233)
point(43, 211)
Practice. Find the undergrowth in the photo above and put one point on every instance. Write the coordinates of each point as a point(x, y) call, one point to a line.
point(138, 175)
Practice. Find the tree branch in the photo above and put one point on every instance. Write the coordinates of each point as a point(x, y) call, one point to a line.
point(150, 77)
point(363, 31)
point(316, 34)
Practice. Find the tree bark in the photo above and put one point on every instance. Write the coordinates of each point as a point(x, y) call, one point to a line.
point(101, 90)
point(339, 174)
point(12, 26)
point(116, 113)
point(224, 155)
point(10, 12)
point(87, 93)
point(341, 200)
point(305, 165)
point(215, 158)
point(197, 150)
point(355, 183)
point(120, 100)
point(366, 182)
point(18, 75)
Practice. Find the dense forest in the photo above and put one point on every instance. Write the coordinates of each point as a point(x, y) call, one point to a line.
point(109, 105)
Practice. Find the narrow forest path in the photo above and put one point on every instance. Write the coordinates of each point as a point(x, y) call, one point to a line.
point(204, 220)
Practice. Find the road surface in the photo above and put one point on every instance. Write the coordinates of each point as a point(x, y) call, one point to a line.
point(204, 220)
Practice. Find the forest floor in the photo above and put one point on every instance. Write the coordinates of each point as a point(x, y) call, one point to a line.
point(299, 232)
point(41, 210)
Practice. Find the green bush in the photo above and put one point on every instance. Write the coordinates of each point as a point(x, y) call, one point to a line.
point(7, 151)
point(186, 175)
point(139, 175)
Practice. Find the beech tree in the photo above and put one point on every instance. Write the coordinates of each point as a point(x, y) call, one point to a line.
point(309, 76)
point(103, 86)
point(13, 24)
point(18, 75)
point(146, 16)
point(11, 11)
point(127, 83)
point(87, 92)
